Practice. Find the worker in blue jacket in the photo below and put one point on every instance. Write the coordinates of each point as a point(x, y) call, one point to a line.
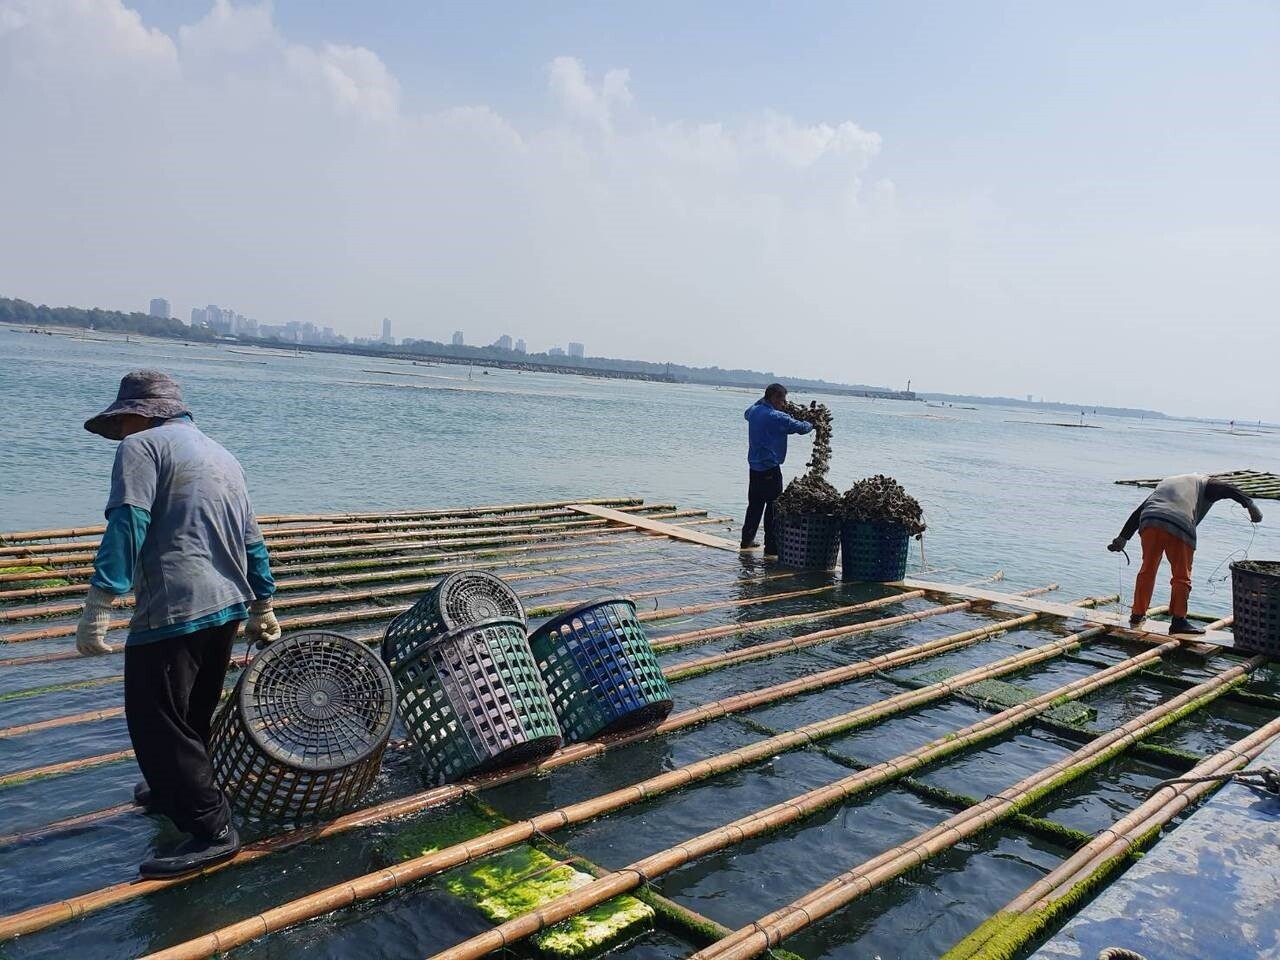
point(768, 426)
point(182, 535)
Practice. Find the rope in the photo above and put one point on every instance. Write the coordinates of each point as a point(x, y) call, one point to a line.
point(1213, 579)
point(1120, 953)
point(1263, 779)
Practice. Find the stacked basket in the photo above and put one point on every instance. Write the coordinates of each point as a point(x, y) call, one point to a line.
point(467, 688)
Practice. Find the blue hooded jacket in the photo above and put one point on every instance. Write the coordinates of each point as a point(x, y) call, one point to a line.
point(767, 434)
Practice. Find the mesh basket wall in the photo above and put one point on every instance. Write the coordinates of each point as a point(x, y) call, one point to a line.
point(808, 541)
point(473, 699)
point(600, 670)
point(873, 551)
point(302, 734)
point(1255, 600)
point(460, 598)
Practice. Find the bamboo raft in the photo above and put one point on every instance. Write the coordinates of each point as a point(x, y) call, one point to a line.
point(1254, 483)
point(770, 668)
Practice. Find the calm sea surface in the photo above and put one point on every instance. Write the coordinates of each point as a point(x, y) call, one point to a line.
point(1002, 487)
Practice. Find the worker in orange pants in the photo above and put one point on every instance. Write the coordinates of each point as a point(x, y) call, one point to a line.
point(1167, 521)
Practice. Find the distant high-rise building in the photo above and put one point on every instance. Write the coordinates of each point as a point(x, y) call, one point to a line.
point(197, 316)
point(503, 342)
point(386, 331)
point(521, 347)
point(159, 308)
point(577, 351)
point(555, 352)
point(457, 338)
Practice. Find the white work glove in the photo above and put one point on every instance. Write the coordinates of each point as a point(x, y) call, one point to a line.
point(95, 621)
point(263, 627)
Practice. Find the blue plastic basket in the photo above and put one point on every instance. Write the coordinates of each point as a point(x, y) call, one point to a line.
point(809, 541)
point(874, 551)
point(600, 670)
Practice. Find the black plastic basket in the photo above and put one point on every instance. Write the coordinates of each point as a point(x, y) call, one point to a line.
point(469, 596)
point(600, 670)
point(302, 734)
point(809, 541)
point(472, 699)
point(873, 551)
point(1255, 596)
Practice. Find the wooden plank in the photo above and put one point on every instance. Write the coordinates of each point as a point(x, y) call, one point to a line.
point(1118, 622)
point(656, 526)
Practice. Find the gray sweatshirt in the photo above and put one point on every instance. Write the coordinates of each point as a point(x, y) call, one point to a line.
point(1178, 504)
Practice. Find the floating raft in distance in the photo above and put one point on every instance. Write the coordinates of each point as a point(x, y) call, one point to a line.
point(1255, 483)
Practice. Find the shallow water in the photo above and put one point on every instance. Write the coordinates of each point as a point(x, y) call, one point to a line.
point(320, 433)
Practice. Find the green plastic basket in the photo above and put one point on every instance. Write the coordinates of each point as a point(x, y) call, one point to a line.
point(873, 552)
point(472, 700)
point(600, 670)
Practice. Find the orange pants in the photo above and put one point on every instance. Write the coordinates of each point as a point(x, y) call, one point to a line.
point(1158, 543)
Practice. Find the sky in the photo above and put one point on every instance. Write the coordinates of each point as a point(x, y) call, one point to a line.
point(1075, 201)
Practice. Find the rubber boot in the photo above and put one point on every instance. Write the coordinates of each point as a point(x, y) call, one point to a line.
point(194, 853)
point(1184, 627)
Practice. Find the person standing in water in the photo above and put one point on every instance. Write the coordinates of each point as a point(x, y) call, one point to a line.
point(182, 535)
point(768, 426)
point(1167, 522)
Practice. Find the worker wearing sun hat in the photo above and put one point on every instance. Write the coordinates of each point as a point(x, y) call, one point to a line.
point(182, 535)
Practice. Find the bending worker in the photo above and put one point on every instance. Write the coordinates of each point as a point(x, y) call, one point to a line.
point(1167, 522)
point(767, 431)
point(182, 534)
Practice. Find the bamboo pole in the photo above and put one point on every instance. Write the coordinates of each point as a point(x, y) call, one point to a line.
point(383, 881)
point(52, 914)
point(380, 557)
point(814, 801)
point(771, 930)
point(358, 614)
point(1044, 902)
point(74, 608)
point(362, 572)
point(271, 519)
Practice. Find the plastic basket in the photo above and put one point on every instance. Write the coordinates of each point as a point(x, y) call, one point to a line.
point(1255, 596)
point(469, 596)
point(808, 541)
point(600, 670)
point(472, 699)
point(873, 551)
point(302, 734)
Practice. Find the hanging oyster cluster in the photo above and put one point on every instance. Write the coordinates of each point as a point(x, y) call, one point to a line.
point(810, 492)
point(877, 499)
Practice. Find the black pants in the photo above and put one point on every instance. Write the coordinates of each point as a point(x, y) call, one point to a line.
point(171, 689)
point(763, 488)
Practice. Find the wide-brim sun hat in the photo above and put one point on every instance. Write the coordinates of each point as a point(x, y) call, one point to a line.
point(148, 393)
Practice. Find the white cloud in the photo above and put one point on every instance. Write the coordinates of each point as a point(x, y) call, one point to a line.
point(229, 163)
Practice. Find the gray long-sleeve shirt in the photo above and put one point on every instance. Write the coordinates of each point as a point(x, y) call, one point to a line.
point(1178, 504)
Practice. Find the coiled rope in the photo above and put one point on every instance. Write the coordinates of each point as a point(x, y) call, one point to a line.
point(1263, 779)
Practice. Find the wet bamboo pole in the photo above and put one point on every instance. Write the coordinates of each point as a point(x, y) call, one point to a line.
point(306, 576)
point(52, 914)
point(276, 533)
point(410, 871)
point(1032, 912)
point(272, 519)
point(280, 602)
point(383, 556)
point(771, 930)
point(800, 807)
point(380, 612)
point(55, 554)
